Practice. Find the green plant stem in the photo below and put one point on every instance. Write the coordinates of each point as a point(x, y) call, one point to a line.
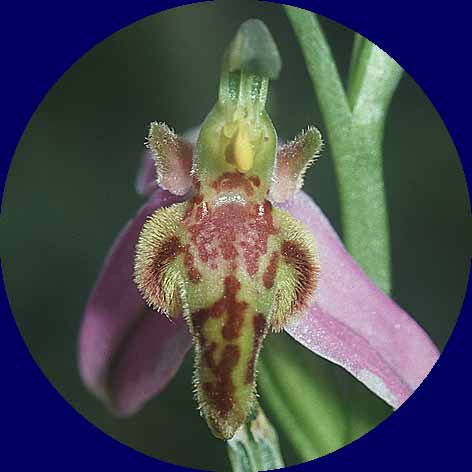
point(356, 49)
point(354, 125)
point(255, 446)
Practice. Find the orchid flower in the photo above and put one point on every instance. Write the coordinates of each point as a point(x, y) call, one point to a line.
point(227, 248)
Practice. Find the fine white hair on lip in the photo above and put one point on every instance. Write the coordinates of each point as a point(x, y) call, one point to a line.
point(231, 198)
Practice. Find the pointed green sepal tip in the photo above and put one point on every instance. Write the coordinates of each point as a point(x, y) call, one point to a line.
point(253, 50)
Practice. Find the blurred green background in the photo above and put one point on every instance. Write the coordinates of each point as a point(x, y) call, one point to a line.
point(70, 190)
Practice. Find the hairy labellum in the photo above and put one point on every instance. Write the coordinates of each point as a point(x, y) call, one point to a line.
point(234, 265)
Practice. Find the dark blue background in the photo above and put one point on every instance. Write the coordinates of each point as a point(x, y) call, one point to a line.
point(39, 42)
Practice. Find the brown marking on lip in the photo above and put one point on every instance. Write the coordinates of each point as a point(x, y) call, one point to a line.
point(220, 390)
point(262, 226)
point(193, 203)
point(306, 272)
point(196, 185)
point(220, 393)
point(256, 181)
point(267, 207)
point(232, 230)
point(199, 213)
point(228, 305)
point(168, 250)
point(259, 325)
point(189, 262)
point(268, 277)
point(233, 181)
point(189, 209)
point(164, 254)
point(208, 356)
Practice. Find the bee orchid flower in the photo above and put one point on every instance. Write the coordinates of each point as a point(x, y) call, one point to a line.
point(226, 248)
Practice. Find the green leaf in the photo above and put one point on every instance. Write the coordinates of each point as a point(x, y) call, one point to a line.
point(304, 395)
point(255, 447)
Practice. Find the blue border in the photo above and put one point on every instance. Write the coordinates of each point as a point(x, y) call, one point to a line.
point(40, 42)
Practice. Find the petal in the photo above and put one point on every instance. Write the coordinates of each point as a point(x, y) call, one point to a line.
point(148, 360)
point(173, 158)
point(127, 352)
point(293, 159)
point(146, 177)
point(146, 181)
point(354, 324)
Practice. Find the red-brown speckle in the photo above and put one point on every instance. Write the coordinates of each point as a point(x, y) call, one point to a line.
point(259, 325)
point(189, 262)
point(193, 203)
point(199, 213)
point(208, 356)
point(227, 305)
point(271, 271)
point(196, 185)
point(256, 181)
point(233, 181)
point(220, 392)
point(231, 231)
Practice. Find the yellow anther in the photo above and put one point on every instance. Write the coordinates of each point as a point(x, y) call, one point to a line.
point(243, 154)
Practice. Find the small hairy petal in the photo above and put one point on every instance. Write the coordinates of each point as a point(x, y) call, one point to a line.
point(127, 353)
point(354, 324)
point(293, 159)
point(146, 180)
point(173, 157)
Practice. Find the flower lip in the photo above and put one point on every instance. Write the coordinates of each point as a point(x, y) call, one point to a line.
point(127, 354)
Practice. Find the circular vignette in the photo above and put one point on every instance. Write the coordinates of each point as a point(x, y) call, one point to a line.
point(416, 410)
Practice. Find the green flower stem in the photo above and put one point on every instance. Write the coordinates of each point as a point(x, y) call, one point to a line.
point(356, 48)
point(255, 446)
point(355, 123)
